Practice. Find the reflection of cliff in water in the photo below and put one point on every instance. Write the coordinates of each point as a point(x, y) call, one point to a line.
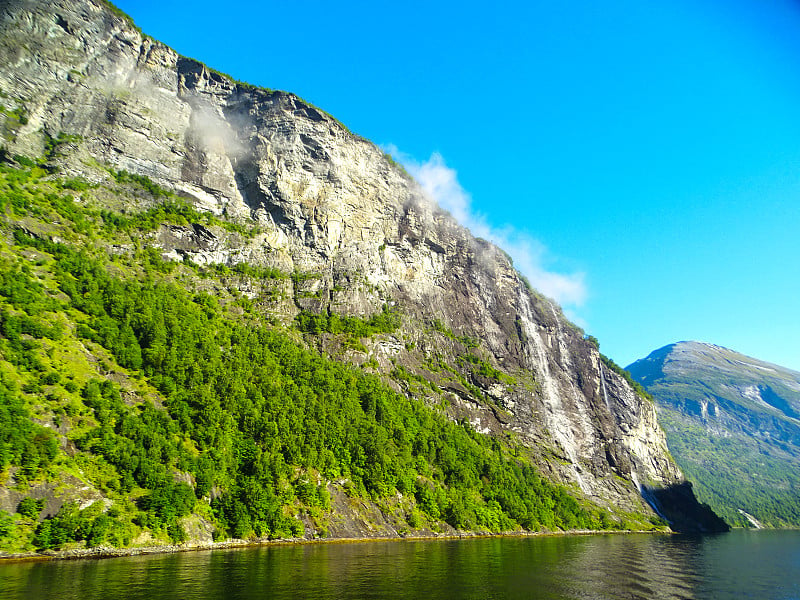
point(554, 568)
point(636, 566)
point(740, 564)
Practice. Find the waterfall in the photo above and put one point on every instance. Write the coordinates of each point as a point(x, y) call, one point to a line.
point(753, 521)
point(576, 470)
point(648, 497)
point(603, 385)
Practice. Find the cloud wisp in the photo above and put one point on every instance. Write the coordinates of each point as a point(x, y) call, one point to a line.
point(440, 183)
point(217, 134)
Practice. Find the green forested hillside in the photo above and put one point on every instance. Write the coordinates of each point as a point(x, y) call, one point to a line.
point(733, 473)
point(120, 373)
point(731, 424)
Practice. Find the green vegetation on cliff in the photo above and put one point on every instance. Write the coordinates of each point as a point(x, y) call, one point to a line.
point(172, 404)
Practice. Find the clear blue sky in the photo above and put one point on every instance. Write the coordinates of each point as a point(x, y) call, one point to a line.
point(641, 159)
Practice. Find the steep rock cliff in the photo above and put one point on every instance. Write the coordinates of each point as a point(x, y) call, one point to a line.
point(331, 207)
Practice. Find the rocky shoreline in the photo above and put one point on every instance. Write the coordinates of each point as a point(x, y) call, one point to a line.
point(111, 552)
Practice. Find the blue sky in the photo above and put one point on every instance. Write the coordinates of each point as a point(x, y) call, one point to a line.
point(639, 160)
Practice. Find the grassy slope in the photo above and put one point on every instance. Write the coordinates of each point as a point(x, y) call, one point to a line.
point(730, 473)
point(733, 465)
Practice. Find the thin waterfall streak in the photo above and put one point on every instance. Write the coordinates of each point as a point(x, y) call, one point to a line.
point(603, 385)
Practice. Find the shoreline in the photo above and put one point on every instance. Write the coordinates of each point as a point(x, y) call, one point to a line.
point(104, 552)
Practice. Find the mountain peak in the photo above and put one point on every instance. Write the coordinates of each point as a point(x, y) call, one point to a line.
point(690, 356)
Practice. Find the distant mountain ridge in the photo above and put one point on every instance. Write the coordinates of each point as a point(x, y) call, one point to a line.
point(732, 425)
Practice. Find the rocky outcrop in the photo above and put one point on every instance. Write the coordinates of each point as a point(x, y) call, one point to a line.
point(328, 203)
point(52, 494)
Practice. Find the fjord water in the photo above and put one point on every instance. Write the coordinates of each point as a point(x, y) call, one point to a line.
point(741, 564)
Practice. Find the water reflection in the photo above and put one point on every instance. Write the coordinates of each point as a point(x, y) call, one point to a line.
point(590, 567)
point(636, 567)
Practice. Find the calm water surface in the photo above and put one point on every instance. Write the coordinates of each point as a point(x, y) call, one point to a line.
point(741, 564)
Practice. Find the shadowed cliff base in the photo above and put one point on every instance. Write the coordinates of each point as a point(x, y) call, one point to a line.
point(678, 505)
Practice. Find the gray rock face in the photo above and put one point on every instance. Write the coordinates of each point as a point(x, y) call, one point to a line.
point(328, 203)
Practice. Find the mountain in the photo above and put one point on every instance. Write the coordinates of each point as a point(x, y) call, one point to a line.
point(313, 346)
point(733, 425)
